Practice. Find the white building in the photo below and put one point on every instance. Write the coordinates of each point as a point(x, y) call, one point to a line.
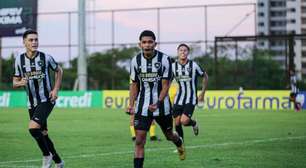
point(276, 17)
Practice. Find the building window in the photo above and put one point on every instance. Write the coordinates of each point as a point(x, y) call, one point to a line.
point(303, 9)
point(277, 13)
point(261, 24)
point(261, 14)
point(278, 23)
point(277, 3)
point(292, 21)
point(261, 4)
point(292, 10)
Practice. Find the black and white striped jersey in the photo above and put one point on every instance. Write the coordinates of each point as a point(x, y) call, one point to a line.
point(186, 77)
point(293, 84)
point(148, 73)
point(36, 71)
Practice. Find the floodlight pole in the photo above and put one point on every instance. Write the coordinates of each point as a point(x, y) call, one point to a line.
point(82, 62)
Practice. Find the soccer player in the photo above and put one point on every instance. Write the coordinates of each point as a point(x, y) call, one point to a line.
point(32, 72)
point(150, 74)
point(294, 91)
point(186, 73)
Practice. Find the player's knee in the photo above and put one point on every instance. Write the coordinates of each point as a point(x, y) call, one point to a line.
point(140, 142)
point(185, 121)
point(34, 125)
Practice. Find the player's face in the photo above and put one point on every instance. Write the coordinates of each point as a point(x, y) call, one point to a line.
point(182, 52)
point(31, 42)
point(147, 44)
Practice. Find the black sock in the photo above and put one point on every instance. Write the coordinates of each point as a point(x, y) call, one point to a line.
point(191, 123)
point(51, 148)
point(178, 142)
point(179, 130)
point(138, 162)
point(38, 136)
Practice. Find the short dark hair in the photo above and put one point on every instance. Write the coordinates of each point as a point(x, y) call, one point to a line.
point(30, 31)
point(147, 33)
point(185, 45)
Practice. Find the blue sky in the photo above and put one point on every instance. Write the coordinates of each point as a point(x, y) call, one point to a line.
point(175, 25)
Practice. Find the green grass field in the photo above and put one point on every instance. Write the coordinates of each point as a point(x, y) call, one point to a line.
point(96, 138)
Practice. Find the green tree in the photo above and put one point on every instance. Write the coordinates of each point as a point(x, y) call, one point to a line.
point(7, 73)
point(105, 72)
point(256, 71)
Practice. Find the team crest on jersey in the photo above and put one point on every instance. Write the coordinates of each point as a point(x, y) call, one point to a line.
point(188, 69)
point(157, 65)
point(40, 63)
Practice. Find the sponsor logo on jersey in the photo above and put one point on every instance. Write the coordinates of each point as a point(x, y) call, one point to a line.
point(149, 77)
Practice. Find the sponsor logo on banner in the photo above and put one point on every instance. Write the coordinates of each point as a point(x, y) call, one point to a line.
point(115, 99)
point(269, 100)
point(11, 16)
point(75, 101)
point(5, 99)
point(17, 16)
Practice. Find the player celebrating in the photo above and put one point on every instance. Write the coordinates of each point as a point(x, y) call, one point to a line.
point(32, 73)
point(186, 72)
point(150, 74)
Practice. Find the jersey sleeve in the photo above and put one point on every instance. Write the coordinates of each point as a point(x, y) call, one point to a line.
point(17, 70)
point(52, 63)
point(133, 70)
point(167, 68)
point(199, 70)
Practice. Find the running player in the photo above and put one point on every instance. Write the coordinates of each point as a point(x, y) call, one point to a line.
point(32, 72)
point(186, 73)
point(151, 74)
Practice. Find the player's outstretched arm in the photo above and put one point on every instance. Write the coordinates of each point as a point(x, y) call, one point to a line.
point(204, 87)
point(132, 97)
point(57, 84)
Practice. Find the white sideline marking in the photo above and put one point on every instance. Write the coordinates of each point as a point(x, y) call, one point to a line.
point(6, 163)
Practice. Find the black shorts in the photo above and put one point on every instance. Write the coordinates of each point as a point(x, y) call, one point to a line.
point(186, 109)
point(40, 113)
point(144, 123)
